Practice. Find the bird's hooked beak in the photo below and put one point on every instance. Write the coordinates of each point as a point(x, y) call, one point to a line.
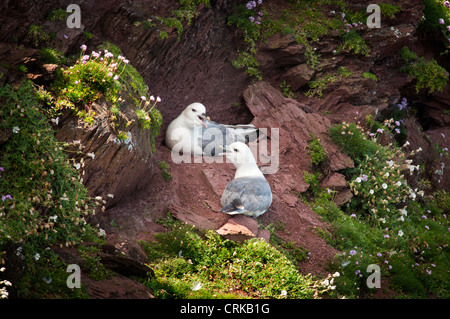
point(225, 150)
point(203, 118)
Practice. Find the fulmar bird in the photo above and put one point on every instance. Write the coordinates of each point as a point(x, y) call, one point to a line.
point(194, 133)
point(248, 193)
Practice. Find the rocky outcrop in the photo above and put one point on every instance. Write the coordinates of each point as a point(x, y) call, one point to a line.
point(111, 167)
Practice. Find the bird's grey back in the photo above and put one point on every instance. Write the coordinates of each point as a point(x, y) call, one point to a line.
point(254, 193)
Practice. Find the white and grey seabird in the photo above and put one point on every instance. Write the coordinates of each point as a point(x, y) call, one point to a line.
point(248, 193)
point(193, 132)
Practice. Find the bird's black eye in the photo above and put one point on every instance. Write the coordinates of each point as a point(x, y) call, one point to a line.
point(236, 150)
point(194, 110)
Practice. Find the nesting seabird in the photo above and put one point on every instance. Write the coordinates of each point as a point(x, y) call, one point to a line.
point(194, 133)
point(248, 193)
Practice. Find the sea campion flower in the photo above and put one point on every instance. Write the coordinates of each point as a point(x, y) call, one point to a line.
point(5, 197)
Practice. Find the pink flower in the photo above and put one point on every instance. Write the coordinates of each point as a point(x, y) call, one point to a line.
point(76, 82)
point(83, 47)
point(116, 77)
point(110, 74)
point(441, 21)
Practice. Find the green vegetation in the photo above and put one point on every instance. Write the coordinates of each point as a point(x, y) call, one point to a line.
point(192, 264)
point(389, 10)
point(433, 11)
point(429, 74)
point(43, 201)
point(352, 42)
point(316, 151)
point(386, 223)
point(286, 90)
point(184, 14)
point(103, 74)
point(317, 86)
point(351, 138)
point(368, 75)
point(37, 36)
point(52, 56)
point(57, 15)
point(165, 171)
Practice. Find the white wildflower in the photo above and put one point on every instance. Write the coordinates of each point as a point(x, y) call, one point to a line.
point(91, 155)
point(16, 129)
point(196, 286)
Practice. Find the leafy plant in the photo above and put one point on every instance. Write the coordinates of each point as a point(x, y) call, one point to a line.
point(316, 151)
point(286, 90)
point(353, 140)
point(389, 10)
point(352, 42)
point(405, 236)
point(429, 75)
point(368, 75)
point(189, 264)
point(58, 14)
point(52, 56)
point(44, 202)
point(317, 86)
point(37, 36)
point(165, 171)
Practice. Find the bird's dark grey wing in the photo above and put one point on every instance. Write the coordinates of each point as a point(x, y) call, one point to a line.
point(215, 135)
point(246, 194)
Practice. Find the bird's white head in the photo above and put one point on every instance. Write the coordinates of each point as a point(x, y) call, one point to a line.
point(195, 114)
point(239, 153)
point(242, 158)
